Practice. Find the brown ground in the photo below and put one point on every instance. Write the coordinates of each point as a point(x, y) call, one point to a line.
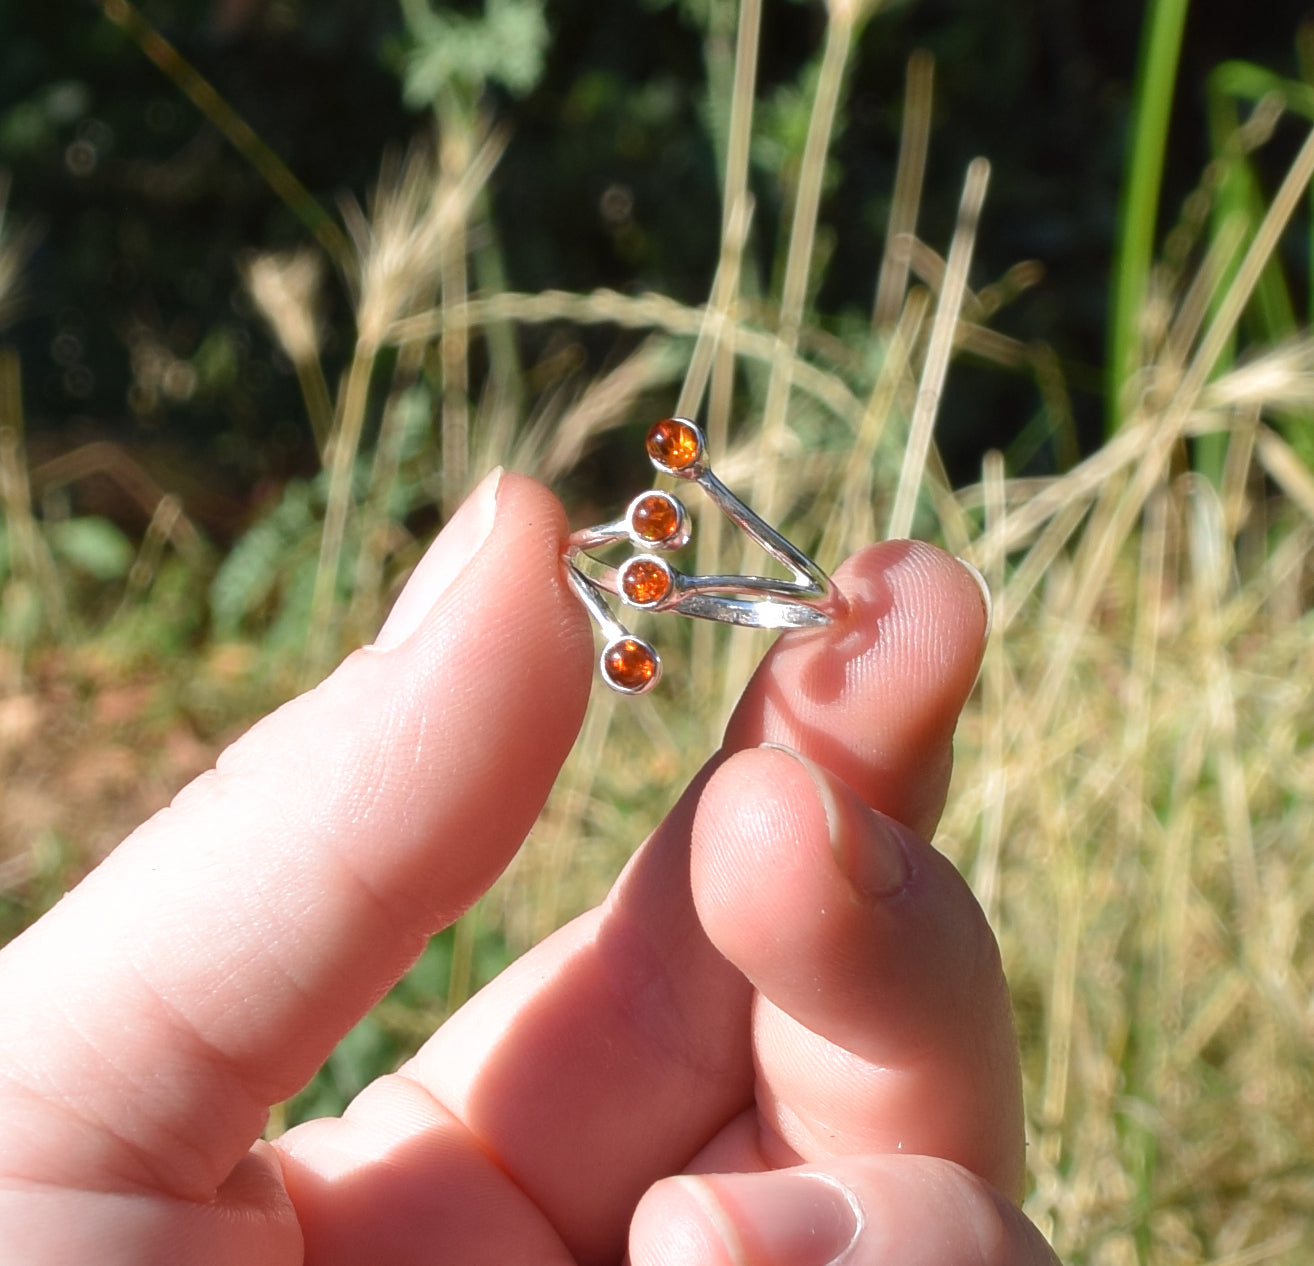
point(87, 753)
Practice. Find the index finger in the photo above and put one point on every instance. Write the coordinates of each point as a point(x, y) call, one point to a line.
point(210, 964)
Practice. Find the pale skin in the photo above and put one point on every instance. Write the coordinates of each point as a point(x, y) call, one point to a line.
point(783, 1039)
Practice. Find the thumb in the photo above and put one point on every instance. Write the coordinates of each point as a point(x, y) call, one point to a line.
point(860, 1211)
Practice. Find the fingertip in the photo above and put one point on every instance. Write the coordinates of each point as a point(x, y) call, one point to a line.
point(775, 1218)
point(861, 1211)
point(541, 530)
point(802, 886)
point(798, 883)
point(765, 813)
point(484, 696)
point(983, 585)
point(678, 1223)
point(509, 536)
point(771, 815)
point(914, 614)
point(450, 553)
point(875, 696)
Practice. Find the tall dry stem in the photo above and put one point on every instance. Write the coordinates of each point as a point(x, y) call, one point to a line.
point(798, 260)
point(33, 594)
point(943, 326)
point(404, 251)
point(905, 200)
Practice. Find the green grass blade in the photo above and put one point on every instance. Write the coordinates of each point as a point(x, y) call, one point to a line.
point(1161, 42)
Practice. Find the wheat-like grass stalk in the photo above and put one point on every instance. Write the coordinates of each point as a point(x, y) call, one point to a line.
point(905, 200)
point(406, 253)
point(840, 31)
point(939, 349)
point(15, 247)
point(33, 593)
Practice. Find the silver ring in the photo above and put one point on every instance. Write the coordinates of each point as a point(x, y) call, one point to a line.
point(657, 521)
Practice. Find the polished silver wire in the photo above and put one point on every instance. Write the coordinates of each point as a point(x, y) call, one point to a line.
point(747, 601)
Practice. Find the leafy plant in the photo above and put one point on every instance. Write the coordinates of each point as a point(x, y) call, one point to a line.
point(451, 54)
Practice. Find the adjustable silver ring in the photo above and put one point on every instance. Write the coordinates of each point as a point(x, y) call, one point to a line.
point(657, 521)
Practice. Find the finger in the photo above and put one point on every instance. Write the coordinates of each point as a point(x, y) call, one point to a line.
point(209, 965)
point(876, 698)
point(872, 1211)
point(611, 1054)
point(884, 1021)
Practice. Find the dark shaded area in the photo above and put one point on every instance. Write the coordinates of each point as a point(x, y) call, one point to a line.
point(135, 326)
point(134, 323)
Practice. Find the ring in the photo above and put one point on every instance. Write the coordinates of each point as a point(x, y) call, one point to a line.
point(657, 521)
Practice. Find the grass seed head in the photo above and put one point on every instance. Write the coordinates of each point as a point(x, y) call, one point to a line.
point(285, 287)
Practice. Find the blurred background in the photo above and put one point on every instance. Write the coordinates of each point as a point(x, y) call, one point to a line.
point(142, 209)
point(280, 280)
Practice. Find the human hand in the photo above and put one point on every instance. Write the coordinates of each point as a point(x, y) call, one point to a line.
point(784, 982)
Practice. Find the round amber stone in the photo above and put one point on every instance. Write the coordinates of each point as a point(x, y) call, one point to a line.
point(630, 665)
point(674, 444)
point(645, 580)
point(655, 517)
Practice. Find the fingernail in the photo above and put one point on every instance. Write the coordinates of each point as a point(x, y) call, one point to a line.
point(986, 599)
point(870, 855)
point(866, 845)
point(443, 562)
point(780, 1218)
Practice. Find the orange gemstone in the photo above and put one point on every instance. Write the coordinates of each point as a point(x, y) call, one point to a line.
point(630, 664)
point(674, 444)
point(655, 517)
point(645, 580)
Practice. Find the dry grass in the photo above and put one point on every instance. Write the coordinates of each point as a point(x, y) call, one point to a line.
point(1134, 805)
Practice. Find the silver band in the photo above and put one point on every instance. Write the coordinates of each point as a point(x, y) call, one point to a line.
point(749, 601)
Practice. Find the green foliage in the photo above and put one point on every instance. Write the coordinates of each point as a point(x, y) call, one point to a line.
point(1239, 205)
point(782, 126)
point(451, 53)
point(34, 124)
point(93, 546)
point(263, 589)
point(22, 617)
point(263, 583)
point(162, 619)
point(1238, 202)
